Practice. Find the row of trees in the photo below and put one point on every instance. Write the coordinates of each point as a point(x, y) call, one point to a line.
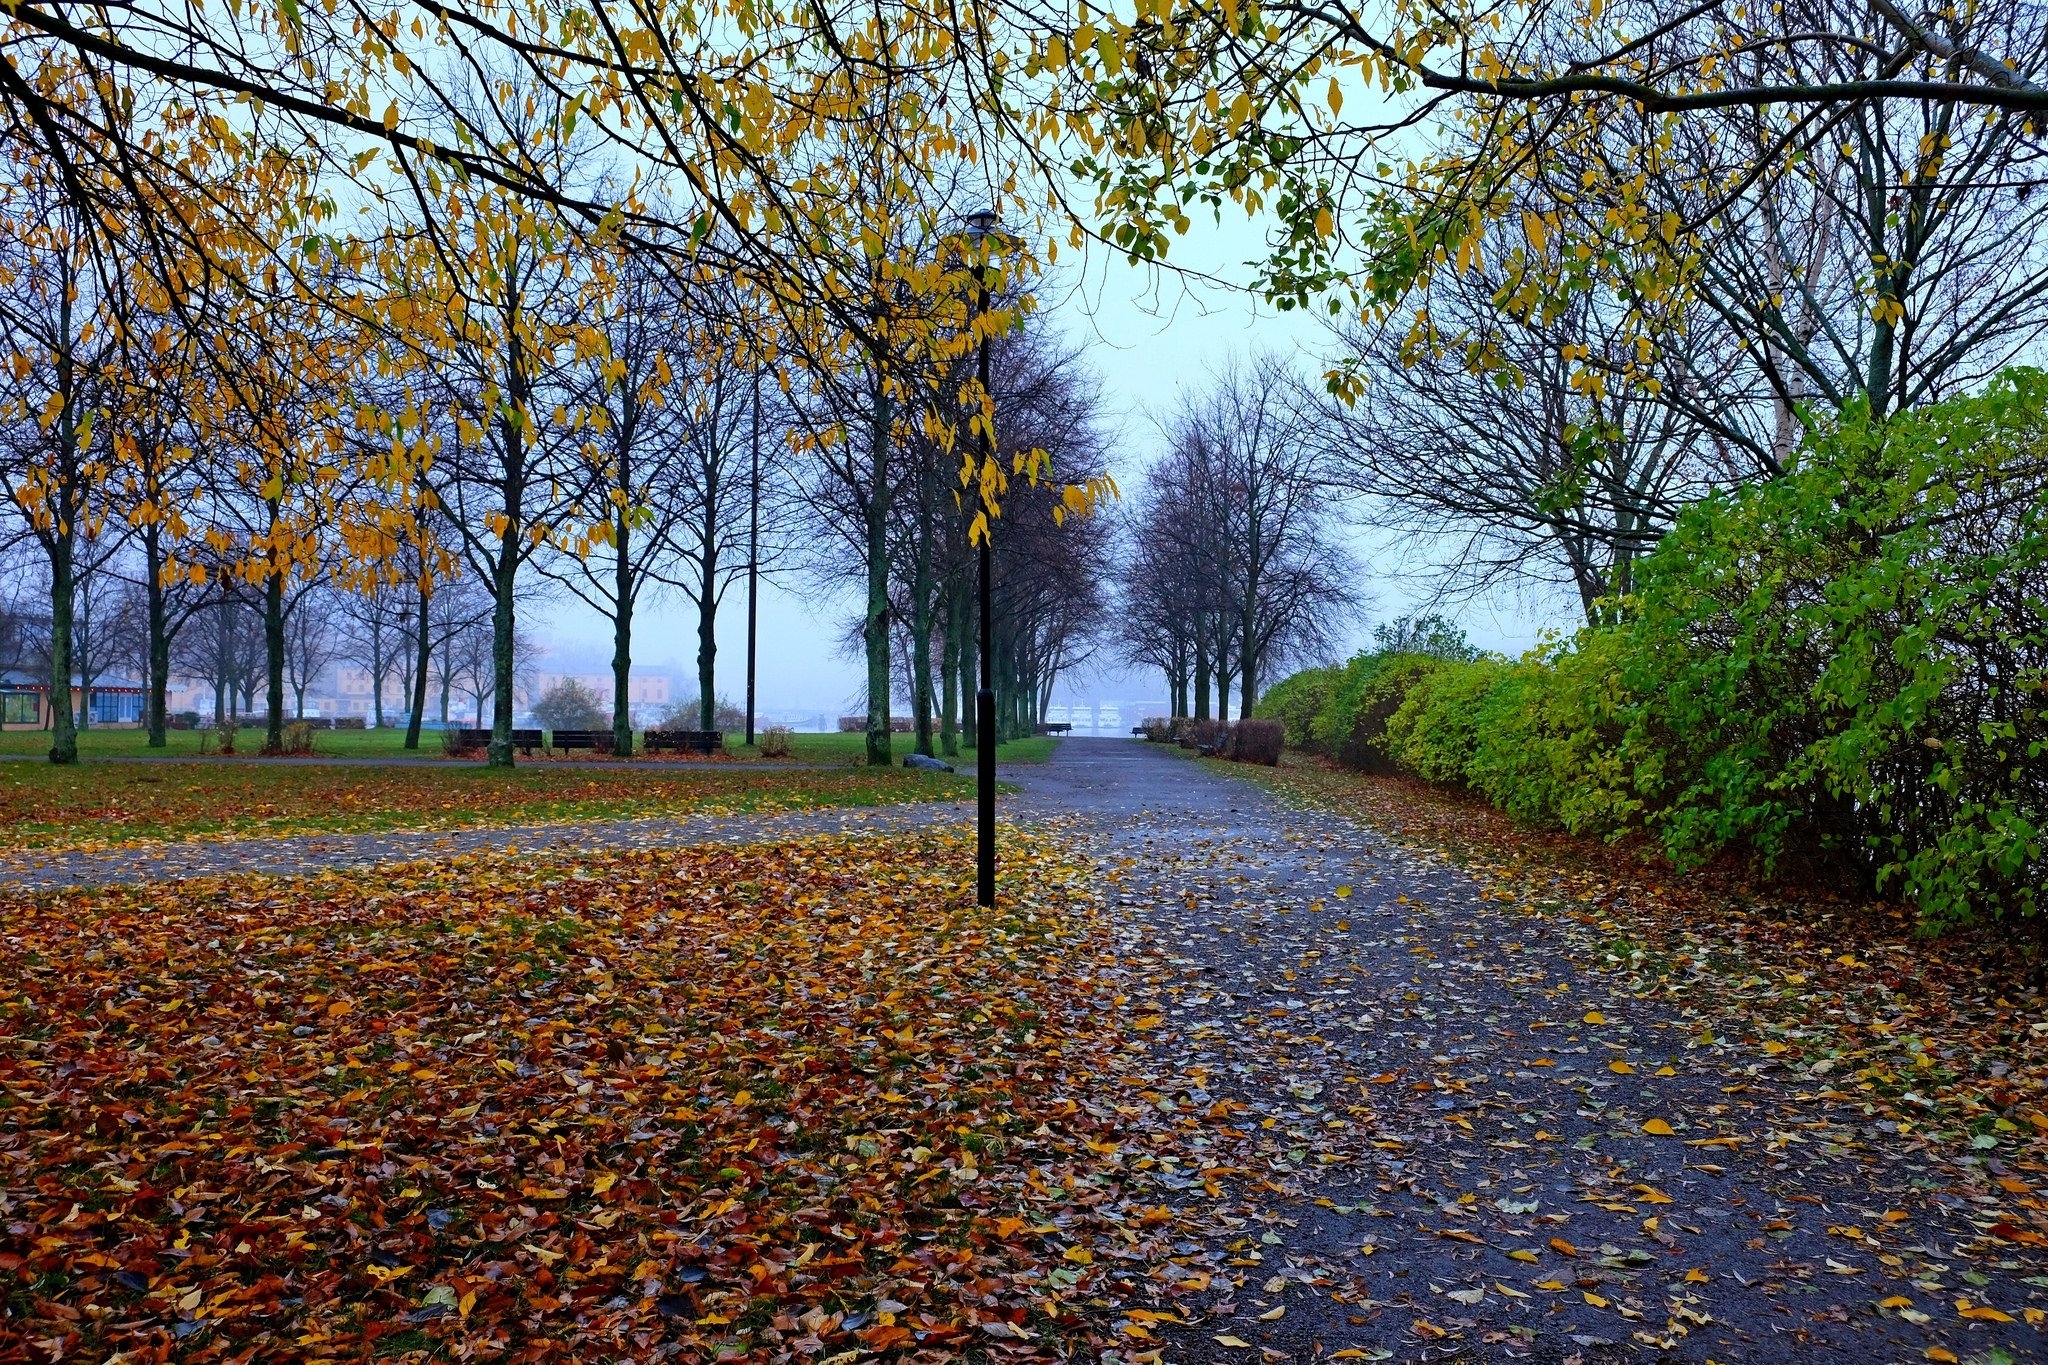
point(422, 420)
point(219, 641)
point(1234, 563)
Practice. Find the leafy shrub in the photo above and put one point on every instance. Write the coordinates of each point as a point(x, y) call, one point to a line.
point(1206, 735)
point(224, 735)
point(778, 741)
point(1851, 662)
point(1431, 636)
point(1256, 741)
point(298, 739)
point(569, 705)
point(451, 742)
point(725, 716)
point(1844, 670)
point(1156, 729)
point(1294, 702)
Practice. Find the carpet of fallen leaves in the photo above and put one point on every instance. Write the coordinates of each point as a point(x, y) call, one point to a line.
point(771, 1101)
point(1946, 1041)
point(95, 805)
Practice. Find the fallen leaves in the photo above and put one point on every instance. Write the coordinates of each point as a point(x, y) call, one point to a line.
point(107, 804)
point(782, 1100)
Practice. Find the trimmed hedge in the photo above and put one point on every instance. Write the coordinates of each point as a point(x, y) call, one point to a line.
point(1844, 670)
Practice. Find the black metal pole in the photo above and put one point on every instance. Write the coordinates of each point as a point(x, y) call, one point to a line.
point(754, 557)
point(985, 699)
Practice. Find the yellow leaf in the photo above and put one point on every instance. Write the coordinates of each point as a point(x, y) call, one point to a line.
point(1562, 1247)
point(1233, 1341)
point(1658, 1128)
point(1593, 1299)
point(1595, 1017)
point(1342, 892)
point(1895, 1301)
point(1621, 1068)
point(339, 1008)
point(1523, 1255)
point(1695, 1276)
point(603, 1183)
point(391, 117)
point(1080, 1255)
point(1980, 1312)
point(1942, 1354)
point(1274, 1315)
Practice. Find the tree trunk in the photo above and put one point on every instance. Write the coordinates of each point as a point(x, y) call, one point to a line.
point(1201, 674)
point(921, 630)
point(707, 629)
point(64, 734)
point(875, 632)
point(377, 668)
point(622, 640)
point(505, 572)
point(422, 653)
point(159, 640)
point(81, 657)
point(949, 673)
point(502, 574)
point(273, 661)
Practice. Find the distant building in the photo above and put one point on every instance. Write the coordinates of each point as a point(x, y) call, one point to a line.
point(115, 703)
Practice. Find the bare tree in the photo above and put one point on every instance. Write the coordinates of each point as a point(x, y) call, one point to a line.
point(1472, 433)
point(1234, 565)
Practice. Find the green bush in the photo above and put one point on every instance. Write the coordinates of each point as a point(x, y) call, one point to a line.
point(1294, 701)
point(1843, 671)
point(1849, 662)
point(1351, 726)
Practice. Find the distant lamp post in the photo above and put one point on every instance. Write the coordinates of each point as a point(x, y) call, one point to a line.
point(982, 227)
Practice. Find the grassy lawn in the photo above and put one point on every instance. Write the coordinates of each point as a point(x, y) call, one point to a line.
point(832, 748)
point(93, 804)
point(720, 1103)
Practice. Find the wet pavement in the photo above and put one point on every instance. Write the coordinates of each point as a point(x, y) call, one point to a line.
point(1451, 1138)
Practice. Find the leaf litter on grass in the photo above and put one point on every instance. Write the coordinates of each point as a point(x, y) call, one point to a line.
point(800, 1100)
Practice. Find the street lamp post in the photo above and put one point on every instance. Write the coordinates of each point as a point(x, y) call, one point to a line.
point(981, 226)
point(754, 556)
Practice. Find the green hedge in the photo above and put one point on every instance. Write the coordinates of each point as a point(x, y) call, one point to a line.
point(1844, 670)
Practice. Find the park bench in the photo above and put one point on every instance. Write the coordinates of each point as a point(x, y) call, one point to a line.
point(525, 741)
point(1056, 728)
point(684, 742)
point(597, 741)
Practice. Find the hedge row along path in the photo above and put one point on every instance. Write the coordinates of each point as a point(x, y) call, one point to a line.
point(1262, 1085)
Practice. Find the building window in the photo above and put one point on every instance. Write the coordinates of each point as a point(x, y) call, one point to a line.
point(116, 708)
point(20, 708)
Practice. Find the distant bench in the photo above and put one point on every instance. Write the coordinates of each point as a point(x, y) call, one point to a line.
point(1061, 728)
point(684, 742)
point(597, 741)
point(525, 741)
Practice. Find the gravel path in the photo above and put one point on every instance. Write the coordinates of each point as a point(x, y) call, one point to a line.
point(1457, 1143)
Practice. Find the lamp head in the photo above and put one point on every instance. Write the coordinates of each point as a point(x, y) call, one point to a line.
point(982, 223)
